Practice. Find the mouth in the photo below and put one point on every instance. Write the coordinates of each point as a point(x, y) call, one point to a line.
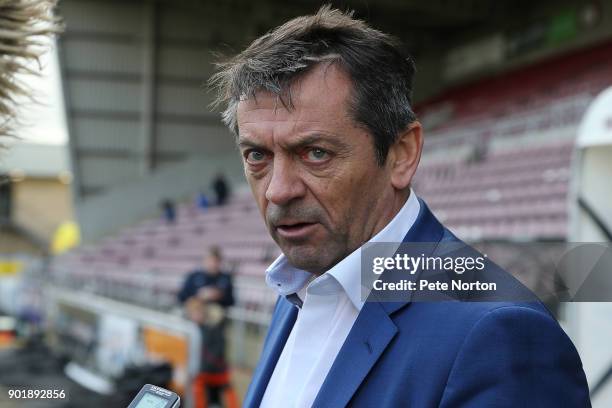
point(299, 230)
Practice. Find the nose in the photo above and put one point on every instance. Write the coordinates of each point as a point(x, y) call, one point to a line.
point(285, 182)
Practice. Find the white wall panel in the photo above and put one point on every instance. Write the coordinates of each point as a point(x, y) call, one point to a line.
point(102, 17)
point(193, 100)
point(105, 95)
point(186, 138)
point(179, 23)
point(103, 171)
point(107, 134)
point(185, 62)
point(84, 55)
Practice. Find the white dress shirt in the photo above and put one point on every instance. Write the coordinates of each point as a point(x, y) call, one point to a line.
point(330, 305)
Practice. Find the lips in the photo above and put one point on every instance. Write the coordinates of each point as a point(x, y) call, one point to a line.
point(295, 230)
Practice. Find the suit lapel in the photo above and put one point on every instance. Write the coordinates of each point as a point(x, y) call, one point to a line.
point(370, 335)
point(372, 331)
point(280, 327)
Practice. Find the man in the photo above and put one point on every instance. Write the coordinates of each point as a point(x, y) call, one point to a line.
point(168, 211)
point(209, 284)
point(322, 112)
point(205, 294)
point(221, 188)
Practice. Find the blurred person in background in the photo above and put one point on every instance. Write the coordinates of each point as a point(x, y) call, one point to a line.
point(205, 295)
point(221, 189)
point(168, 211)
point(201, 201)
point(321, 107)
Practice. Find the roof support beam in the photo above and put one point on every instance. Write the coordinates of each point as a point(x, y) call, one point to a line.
point(149, 86)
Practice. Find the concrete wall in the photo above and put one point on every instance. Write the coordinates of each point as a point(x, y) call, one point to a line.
point(126, 204)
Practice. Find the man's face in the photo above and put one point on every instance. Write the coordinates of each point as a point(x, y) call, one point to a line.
point(313, 170)
point(212, 264)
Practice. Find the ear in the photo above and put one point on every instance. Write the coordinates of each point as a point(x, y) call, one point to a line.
point(404, 155)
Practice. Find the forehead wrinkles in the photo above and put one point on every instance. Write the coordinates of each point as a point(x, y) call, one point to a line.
point(266, 128)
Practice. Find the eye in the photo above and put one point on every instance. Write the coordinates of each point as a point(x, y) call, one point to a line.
point(317, 154)
point(254, 156)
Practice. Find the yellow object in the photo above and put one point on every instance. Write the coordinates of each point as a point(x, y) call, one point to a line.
point(66, 236)
point(10, 267)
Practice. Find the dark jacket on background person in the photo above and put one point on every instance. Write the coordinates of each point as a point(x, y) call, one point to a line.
point(222, 190)
point(199, 278)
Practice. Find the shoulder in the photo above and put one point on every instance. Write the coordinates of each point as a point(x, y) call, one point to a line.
point(458, 324)
point(514, 316)
point(465, 315)
point(196, 272)
point(517, 352)
point(524, 332)
point(527, 321)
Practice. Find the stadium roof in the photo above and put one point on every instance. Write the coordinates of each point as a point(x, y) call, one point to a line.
point(421, 24)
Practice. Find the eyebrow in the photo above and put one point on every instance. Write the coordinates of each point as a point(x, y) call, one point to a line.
point(248, 143)
point(301, 142)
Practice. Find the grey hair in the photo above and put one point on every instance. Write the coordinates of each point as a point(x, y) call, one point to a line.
point(22, 24)
point(381, 98)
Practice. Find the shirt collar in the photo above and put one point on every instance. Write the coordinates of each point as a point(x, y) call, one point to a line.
point(288, 280)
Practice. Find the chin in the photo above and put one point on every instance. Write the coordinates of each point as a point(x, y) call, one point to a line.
point(307, 258)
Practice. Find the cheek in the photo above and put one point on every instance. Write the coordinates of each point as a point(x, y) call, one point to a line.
point(337, 195)
point(358, 190)
point(258, 188)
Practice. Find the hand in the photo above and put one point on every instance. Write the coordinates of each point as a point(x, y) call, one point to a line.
point(195, 310)
point(208, 293)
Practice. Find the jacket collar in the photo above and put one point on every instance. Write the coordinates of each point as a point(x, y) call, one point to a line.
point(373, 330)
point(283, 320)
point(426, 229)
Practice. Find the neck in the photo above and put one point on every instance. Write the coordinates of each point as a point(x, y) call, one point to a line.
point(387, 214)
point(397, 202)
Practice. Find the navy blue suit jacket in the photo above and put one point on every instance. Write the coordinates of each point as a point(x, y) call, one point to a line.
point(441, 354)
